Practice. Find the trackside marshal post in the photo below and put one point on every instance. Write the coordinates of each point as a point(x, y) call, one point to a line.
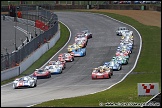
point(146, 89)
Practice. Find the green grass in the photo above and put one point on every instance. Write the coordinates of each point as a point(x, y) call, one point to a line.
point(126, 91)
point(64, 36)
point(148, 69)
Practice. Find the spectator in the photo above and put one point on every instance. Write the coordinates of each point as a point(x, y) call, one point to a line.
point(19, 15)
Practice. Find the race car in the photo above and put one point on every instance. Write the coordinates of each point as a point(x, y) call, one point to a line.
point(121, 60)
point(54, 69)
point(81, 36)
point(125, 47)
point(120, 30)
point(42, 73)
point(127, 33)
point(81, 43)
point(102, 72)
point(124, 54)
point(79, 52)
point(113, 65)
point(87, 33)
point(127, 39)
point(66, 57)
point(60, 62)
point(25, 81)
point(72, 47)
point(128, 43)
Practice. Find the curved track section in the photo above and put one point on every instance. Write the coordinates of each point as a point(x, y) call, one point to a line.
point(76, 78)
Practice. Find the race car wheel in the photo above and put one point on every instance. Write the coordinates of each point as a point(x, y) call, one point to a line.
point(126, 62)
point(32, 85)
point(35, 84)
point(85, 53)
point(14, 86)
point(71, 59)
point(94, 77)
point(120, 67)
point(60, 72)
point(112, 74)
point(49, 76)
point(109, 76)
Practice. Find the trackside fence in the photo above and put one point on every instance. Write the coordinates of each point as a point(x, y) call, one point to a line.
point(45, 20)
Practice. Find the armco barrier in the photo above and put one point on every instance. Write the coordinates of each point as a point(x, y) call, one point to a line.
point(13, 72)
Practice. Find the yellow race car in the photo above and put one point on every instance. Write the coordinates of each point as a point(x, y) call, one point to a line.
point(73, 47)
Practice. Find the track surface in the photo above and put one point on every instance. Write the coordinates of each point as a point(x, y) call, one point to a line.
point(8, 33)
point(76, 78)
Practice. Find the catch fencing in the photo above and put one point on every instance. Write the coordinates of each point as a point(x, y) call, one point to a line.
point(48, 22)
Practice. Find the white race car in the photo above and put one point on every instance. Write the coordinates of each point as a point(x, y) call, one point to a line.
point(81, 36)
point(26, 81)
point(120, 30)
point(127, 33)
point(87, 33)
point(54, 69)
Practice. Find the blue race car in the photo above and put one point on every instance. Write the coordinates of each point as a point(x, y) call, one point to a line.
point(113, 64)
point(79, 52)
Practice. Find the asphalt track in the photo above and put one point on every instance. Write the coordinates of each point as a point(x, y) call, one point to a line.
point(76, 78)
point(9, 34)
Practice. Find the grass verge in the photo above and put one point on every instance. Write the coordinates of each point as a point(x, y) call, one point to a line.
point(148, 70)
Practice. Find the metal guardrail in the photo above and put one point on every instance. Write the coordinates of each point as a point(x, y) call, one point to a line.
point(10, 60)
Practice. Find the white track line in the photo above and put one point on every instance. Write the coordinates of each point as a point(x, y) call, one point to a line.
point(129, 71)
point(61, 48)
point(136, 58)
point(125, 75)
point(53, 55)
point(21, 29)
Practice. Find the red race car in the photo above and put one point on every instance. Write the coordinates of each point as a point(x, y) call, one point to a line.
point(42, 73)
point(102, 72)
point(66, 57)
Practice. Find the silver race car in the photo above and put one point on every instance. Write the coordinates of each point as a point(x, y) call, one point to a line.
point(25, 81)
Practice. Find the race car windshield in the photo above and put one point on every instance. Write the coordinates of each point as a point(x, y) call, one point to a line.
point(111, 64)
point(52, 62)
point(25, 79)
point(40, 70)
point(95, 70)
point(57, 63)
point(50, 67)
point(119, 58)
